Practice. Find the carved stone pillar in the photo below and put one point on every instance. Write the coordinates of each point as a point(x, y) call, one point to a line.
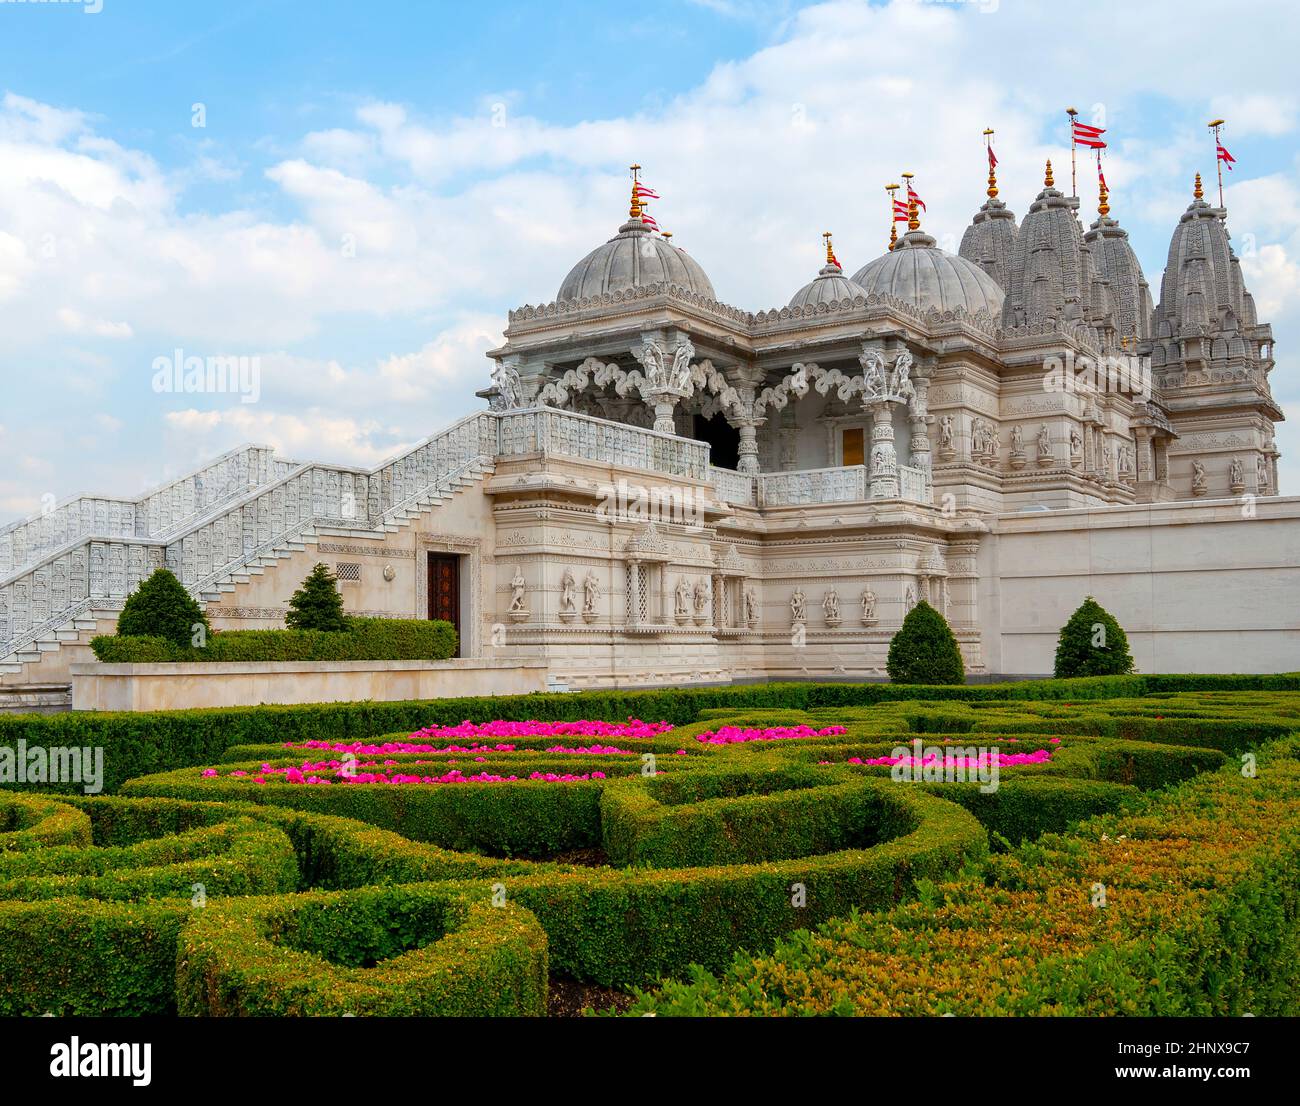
point(748, 449)
point(664, 403)
point(884, 459)
point(787, 441)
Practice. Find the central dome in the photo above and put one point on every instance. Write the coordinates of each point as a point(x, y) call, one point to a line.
point(918, 272)
point(634, 258)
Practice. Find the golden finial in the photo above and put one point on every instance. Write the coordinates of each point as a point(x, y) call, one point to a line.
point(893, 220)
point(668, 234)
point(1198, 192)
point(993, 177)
point(913, 220)
point(1047, 180)
point(830, 253)
point(634, 212)
point(1103, 208)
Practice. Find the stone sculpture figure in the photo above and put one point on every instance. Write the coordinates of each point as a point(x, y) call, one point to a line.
point(701, 596)
point(1076, 442)
point(946, 433)
point(751, 605)
point(909, 599)
point(510, 391)
point(568, 591)
point(1198, 477)
point(868, 605)
point(798, 608)
point(1044, 441)
point(1017, 440)
point(1261, 473)
point(1237, 473)
point(518, 591)
point(682, 603)
point(831, 606)
point(590, 593)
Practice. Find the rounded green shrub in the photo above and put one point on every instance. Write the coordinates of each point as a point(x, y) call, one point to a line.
point(1092, 643)
point(161, 608)
point(924, 651)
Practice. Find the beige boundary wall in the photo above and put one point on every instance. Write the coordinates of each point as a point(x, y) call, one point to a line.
point(140, 687)
point(1199, 585)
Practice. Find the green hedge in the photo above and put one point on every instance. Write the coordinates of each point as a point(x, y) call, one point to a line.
point(745, 818)
point(408, 951)
point(33, 822)
point(1202, 889)
point(367, 639)
point(105, 946)
point(137, 744)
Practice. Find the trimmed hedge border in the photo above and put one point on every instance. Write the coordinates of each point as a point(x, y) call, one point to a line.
point(137, 744)
point(34, 822)
point(1203, 893)
point(366, 639)
point(417, 950)
point(88, 952)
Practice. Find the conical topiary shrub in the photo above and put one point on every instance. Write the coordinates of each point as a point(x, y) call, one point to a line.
point(924, 650)
point(317, 605)
point(1092, 643)
point(161, 607)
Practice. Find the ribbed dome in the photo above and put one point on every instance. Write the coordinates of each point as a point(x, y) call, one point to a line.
point(830, 286)
point(917, 271)
point(633, 258)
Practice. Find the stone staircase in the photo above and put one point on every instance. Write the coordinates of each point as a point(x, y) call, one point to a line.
point(65, 575)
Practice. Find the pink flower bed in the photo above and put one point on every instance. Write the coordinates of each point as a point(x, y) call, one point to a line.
point(434, 739)
point(327, 772)
point(735, 735)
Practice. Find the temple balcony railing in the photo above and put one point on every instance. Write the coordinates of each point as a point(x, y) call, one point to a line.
point(733, 487)
point(843, 484)
point(552, 432)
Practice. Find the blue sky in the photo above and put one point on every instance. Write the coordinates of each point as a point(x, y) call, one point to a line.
point(374, 185)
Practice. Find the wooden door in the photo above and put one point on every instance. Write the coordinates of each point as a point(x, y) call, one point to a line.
point(444, 591)
point(853, 450)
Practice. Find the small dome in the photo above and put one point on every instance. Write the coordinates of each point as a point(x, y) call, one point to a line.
point(916, 271)
point(830, 286)
point(634, 258)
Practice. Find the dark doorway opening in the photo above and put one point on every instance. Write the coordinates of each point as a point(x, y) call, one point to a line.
point(444, 592)
point(723, 439)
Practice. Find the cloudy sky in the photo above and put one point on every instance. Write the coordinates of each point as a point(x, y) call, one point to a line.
point(355, 194)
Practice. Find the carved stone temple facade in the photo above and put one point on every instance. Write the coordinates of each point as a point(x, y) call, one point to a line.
point(665, 488)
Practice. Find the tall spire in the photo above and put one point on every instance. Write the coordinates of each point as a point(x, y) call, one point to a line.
point(893, 215)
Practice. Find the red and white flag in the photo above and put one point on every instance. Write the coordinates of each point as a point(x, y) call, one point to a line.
point(912, 197)
point(1084, 134)
point(900, 212)
point(993, 159)
point(648, 220)
point(1101, 178)
point(1224, 156)
point(644, 193)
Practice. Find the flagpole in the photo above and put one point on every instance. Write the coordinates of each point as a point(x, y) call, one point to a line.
point(1215, 125)
point(1074, 178)
point(893, 215)
point(988, 149)
point(913, 223)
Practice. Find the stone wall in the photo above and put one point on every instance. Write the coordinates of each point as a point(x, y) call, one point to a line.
point(1207, 586)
